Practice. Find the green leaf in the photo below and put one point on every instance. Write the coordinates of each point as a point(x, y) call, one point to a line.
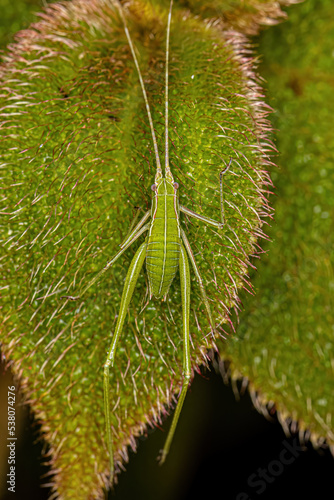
point(284, 343)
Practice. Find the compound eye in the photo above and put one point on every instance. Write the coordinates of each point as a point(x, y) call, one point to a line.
point(154, 187)
point(176, 185)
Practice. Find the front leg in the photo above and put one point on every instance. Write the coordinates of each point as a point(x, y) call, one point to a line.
point(185, 294)
point(138, 231)
point(207, 220)
point(129, 285)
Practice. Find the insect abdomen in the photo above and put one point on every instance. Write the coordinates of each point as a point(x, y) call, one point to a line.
point(163, 245)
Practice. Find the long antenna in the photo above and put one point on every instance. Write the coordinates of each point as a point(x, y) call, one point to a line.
point(155, 145)
point(167, 169)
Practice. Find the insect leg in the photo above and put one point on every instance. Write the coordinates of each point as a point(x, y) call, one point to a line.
point(129, 285)
point(185, 293)
point(222, 173)
point(199, 279)
point(133, 223)
point(124, 246)
point(133, 230)
point(207, 220)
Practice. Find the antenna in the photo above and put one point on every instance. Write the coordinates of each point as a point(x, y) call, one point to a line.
point(155, 145)
point(167, 169)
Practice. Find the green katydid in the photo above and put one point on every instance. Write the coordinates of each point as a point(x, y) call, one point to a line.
point(165, 250)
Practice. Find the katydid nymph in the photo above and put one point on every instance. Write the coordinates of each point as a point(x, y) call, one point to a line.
point(166, 250)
